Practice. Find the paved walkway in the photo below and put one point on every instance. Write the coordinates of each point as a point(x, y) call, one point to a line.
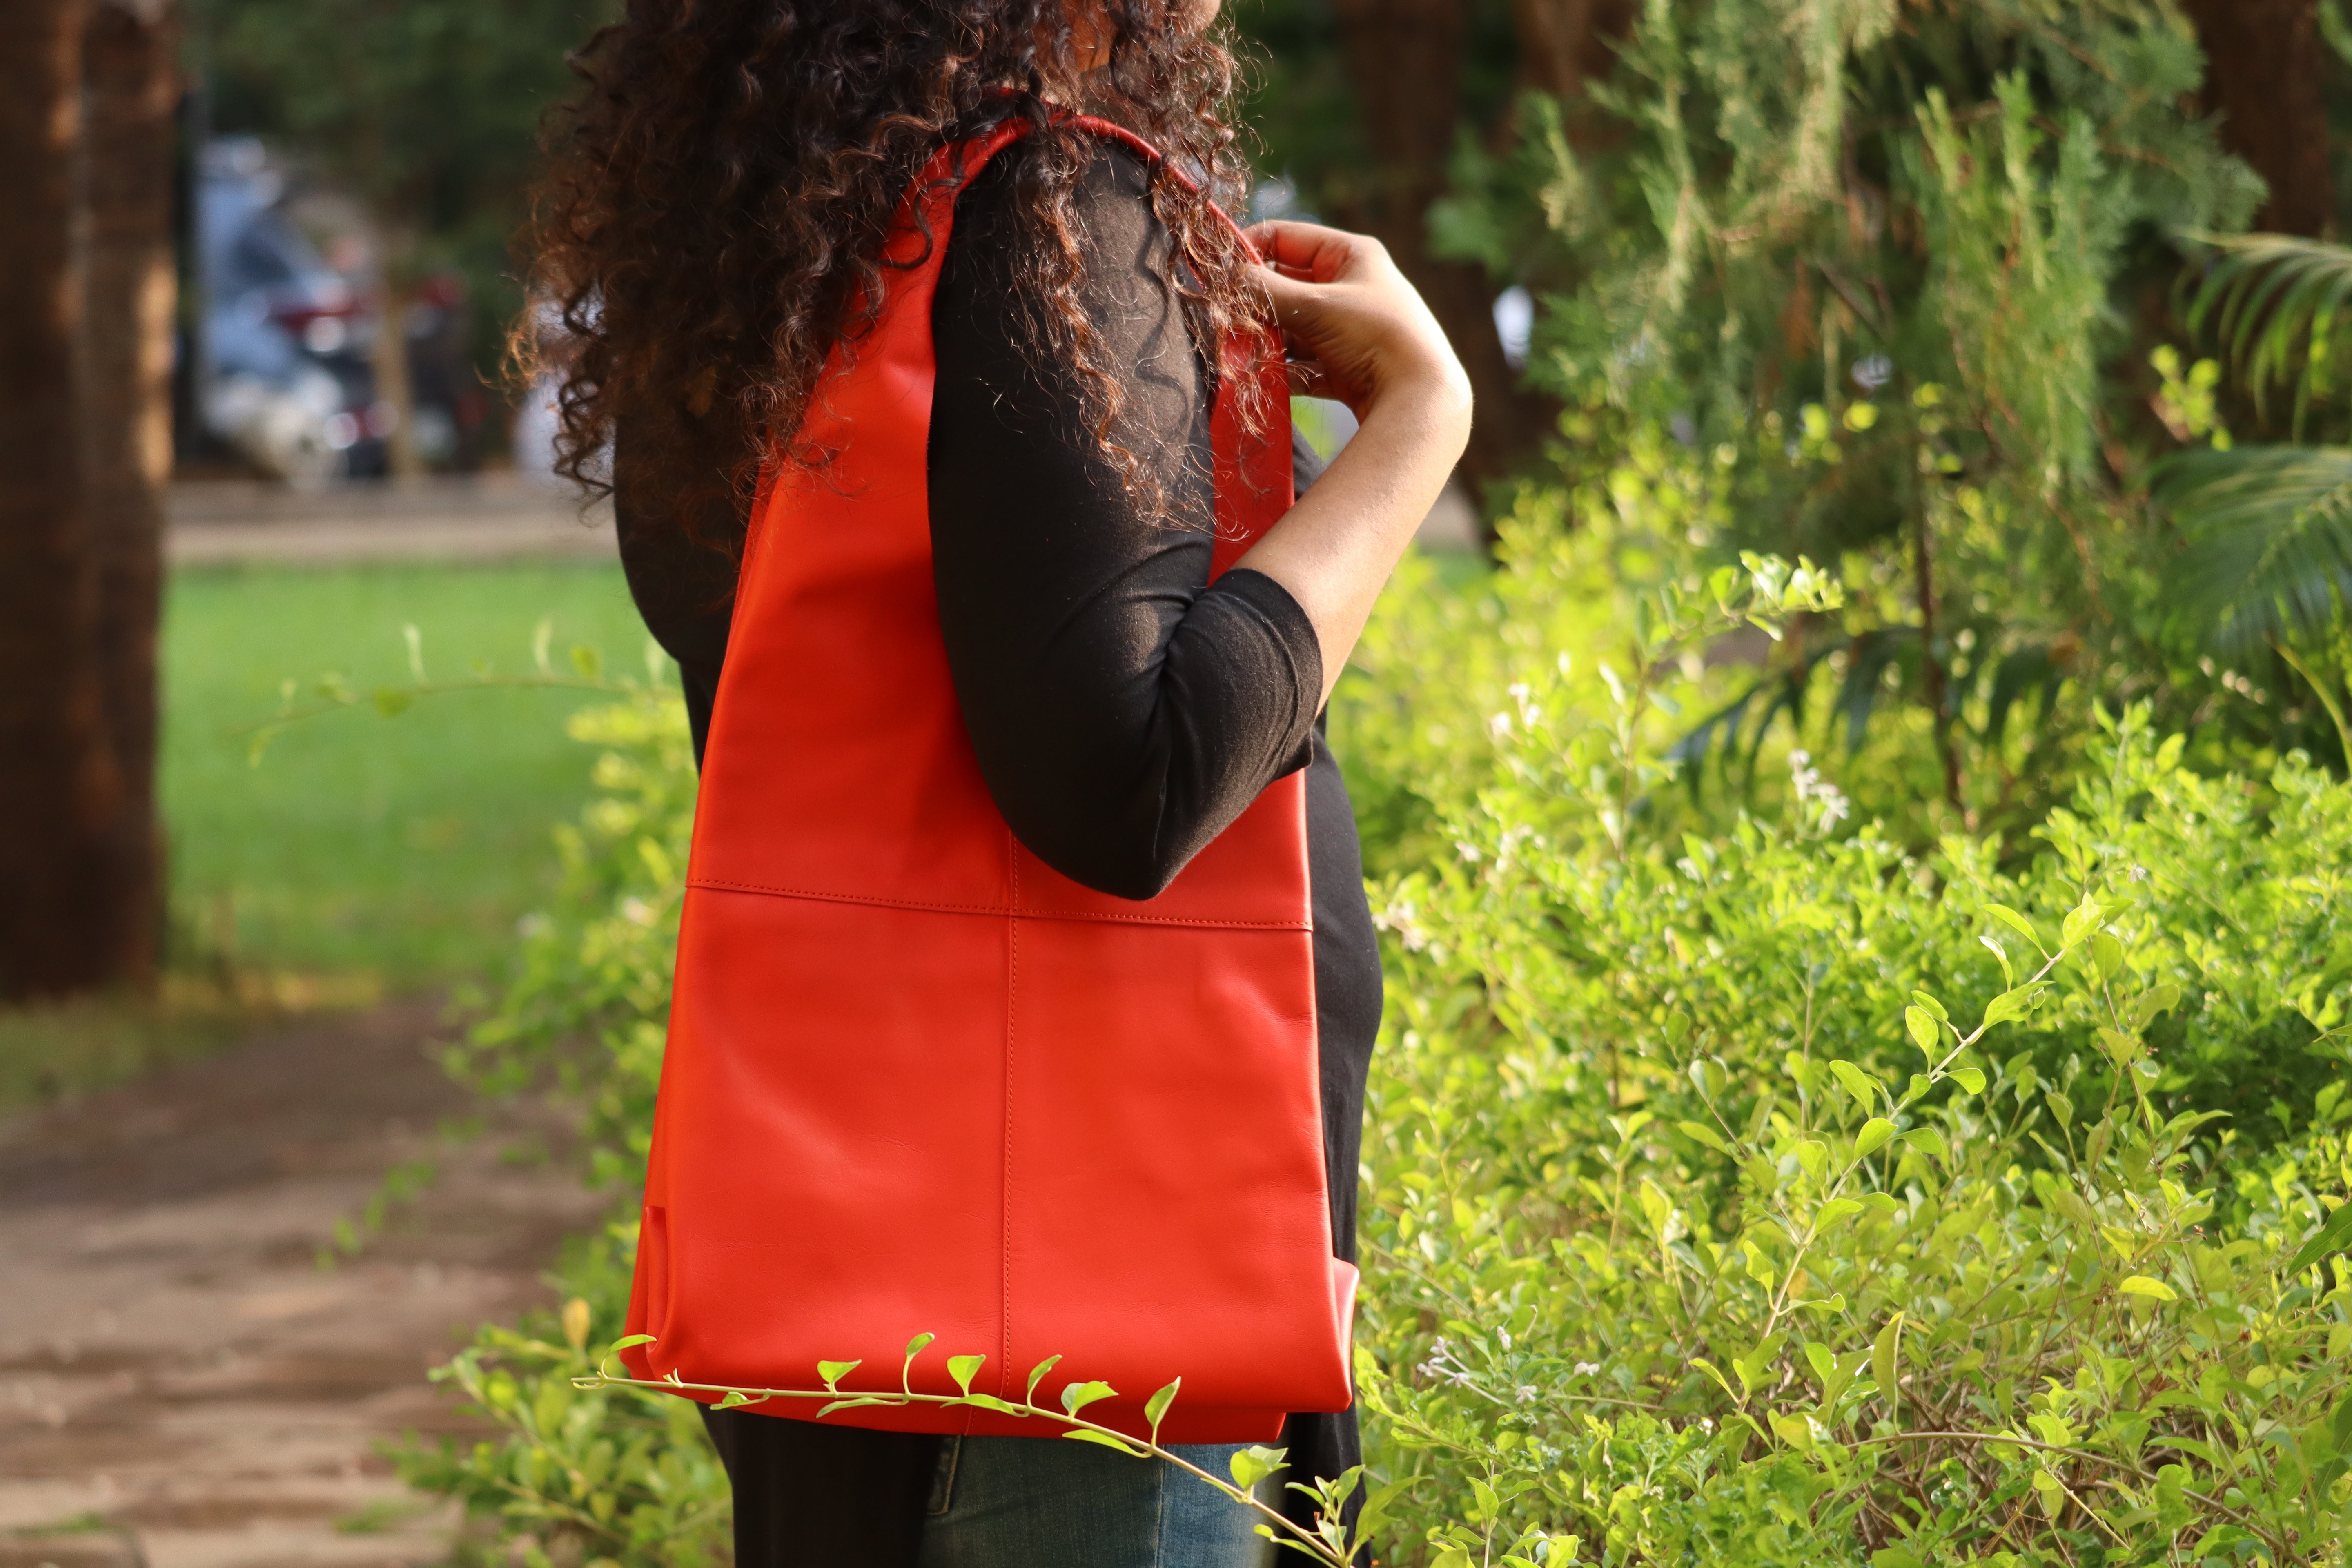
point(493, 517)
point(179, 1381)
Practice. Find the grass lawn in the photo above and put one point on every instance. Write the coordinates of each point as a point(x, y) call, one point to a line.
point(402, 848)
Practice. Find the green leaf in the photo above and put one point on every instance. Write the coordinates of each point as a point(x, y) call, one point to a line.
point(1923, 1028)
point(1255, 1463)
point(1699, 1131)
point(1077, 1396)
point(2014, 1002)
point(2017, 923)
point(862, 1399)
point(587, 661)
point(917, 1345)
point(1155, 1407)
point(1969, 1078)
point(392, 701)
point(1037, 1375)
point(2108, 954)
point(2080, 920)
point(2335, 1235)
point(2007, 975)
point(964, 1368)
point(1873, 1137)
point(628, 1340)
point(1813, 1155)
point(1709, 1368)
point(1125, 1445)
point(2061, 1106)
point(1831, 1212)
point(831, 1372)
point(1858, 1083)
point(2141, 1285)
point(2161, 998)
point(1886, 1359)
point(2072, 1204)
point(1928, 1003)
point(735, 1396)
point(990, 1402)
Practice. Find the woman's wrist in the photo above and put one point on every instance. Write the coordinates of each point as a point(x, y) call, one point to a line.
point(1431, 402)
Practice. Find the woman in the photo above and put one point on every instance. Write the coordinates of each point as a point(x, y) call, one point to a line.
point(928, 304)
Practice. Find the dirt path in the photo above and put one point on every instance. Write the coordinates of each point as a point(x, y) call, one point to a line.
point(178, 1378)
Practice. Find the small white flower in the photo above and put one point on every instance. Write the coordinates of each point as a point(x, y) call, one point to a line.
point(1587, 1368)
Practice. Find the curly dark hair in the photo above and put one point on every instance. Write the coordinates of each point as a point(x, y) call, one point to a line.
point(712, 220)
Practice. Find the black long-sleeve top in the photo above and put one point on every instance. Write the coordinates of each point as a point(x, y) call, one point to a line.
point(1124, 710)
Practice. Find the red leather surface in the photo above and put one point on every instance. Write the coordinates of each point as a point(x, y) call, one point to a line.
point(916, 1080)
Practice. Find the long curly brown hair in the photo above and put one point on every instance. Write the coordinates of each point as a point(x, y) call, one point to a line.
point(711, 224)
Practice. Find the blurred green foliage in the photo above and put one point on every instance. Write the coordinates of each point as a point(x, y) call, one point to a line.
point(1896, 280)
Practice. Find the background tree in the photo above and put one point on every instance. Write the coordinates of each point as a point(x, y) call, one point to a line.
point(1888, 263)
point(2263, 63)
point(1364, 105)
point(425, 111)
point(85, 314)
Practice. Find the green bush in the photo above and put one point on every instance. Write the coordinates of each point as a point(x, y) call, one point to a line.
point(1766, 1190)
point(1744, 1183)
point(603, 1476)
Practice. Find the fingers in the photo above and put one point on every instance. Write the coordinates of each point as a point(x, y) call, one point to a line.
point(1292, 296)
point(1306, 250)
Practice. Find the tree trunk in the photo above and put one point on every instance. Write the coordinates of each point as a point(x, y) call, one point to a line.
point(61, 794)
point(130, 95)
point(2263, 60)
point(1404, 64)
point(1563, 44)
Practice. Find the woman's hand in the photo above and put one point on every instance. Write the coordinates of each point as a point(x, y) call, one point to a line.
point(1354, 328)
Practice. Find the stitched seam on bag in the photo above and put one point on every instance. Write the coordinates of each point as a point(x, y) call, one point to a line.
point(716, 885)
point(1011, 981)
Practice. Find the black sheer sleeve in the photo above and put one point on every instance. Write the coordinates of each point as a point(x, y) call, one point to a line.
point(1123, 710)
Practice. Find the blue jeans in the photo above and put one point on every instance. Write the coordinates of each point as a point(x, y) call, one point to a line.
point(1043, 1503)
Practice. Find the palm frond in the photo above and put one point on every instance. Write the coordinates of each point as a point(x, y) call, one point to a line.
point(2271, 300)
point(2269, 532)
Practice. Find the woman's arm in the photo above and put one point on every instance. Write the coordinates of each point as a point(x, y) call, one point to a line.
point(1357, 332)
point(1123, 712)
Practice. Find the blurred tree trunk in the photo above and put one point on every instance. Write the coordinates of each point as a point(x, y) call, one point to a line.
point(1563, 44)
point(131, 97)
point(60, 792)
point(1405, 65)
point(2263, 60)
point(85, 315)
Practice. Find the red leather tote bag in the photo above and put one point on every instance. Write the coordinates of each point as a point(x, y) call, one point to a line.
point(916, 1080)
